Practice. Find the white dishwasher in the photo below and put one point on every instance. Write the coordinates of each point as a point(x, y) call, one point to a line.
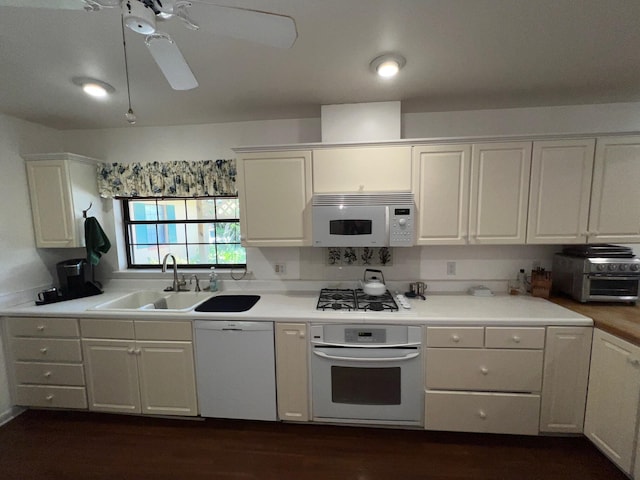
point(235, 369)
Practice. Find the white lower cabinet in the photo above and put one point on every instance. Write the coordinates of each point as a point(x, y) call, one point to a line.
point(516, 380)
point(46, 362)
point(566, 375)
point(134, 370)
point(611, 418)
point(292, 377)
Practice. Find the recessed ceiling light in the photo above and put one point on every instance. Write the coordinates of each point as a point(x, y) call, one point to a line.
point(387, 65)
point(95, 88)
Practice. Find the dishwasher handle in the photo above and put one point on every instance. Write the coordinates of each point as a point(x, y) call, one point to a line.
point(368, 359)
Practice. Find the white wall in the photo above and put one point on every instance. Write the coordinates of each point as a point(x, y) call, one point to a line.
point(24, 269)
point(605, 118)
point(474, 263)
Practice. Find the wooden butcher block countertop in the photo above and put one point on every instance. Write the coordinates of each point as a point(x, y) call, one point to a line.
point(620, 319)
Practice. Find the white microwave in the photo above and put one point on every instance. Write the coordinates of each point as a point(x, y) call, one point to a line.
point(363, 220)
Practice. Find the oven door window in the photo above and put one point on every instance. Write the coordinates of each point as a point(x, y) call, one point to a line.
point(613, 287)
point(366, 386)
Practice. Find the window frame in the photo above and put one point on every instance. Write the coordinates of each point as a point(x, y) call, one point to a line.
point(127, 222)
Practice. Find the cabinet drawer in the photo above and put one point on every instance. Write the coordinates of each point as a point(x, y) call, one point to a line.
point(55, 397)
point(43, 327)
point(154, 330)
point(517, 337)
point(46, 349)
point(482, 412)
point(49, 373)
point(455, 337)
point(120, 329)
point(484, 370)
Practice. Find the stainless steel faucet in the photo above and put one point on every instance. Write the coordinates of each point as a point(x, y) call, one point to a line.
point(176, 285)
point(197, 289)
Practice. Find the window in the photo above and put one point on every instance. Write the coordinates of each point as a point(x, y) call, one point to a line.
point(199, 232)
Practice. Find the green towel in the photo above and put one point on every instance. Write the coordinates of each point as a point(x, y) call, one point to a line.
point(96, 240)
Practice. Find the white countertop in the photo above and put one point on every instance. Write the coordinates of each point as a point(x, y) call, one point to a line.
point(300, 306)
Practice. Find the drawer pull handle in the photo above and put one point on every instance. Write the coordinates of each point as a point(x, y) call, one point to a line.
point(484, 370)
point(516, 338)
point(455, 338)
point(482, 414)
point(46, 374)
point(40, 328)
point(43, 350)
point(131, 351)
point(49, 397)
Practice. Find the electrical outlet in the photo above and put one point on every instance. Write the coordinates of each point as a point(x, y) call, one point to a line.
point(280, 268)
point(451, 268)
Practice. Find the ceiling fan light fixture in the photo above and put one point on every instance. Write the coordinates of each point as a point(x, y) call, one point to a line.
point(388, 65)
point(139, 18)
point(93, 87)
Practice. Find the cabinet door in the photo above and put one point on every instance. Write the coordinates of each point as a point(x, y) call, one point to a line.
point(615, 197)
point(363, 169)
point(291, 372)
point(51, 204)
point(564, 383)
point(561, 173)
point(499, 192)
point(275, 193)
point(441, 181)
point(612, 402)
point(167, 378)
point(112, 375)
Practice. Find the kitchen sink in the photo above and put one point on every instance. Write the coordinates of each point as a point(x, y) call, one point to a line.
point(228, 303)
point(154, 300)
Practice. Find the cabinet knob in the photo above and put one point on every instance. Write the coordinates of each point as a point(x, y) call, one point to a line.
point(49, 397)
point(46, 374)
point(302, 335)
point(131, 351)
point(516, 339)
point(138, 351)
point(482, 414)
point(455, 338)
point(633, 361)
point(43, 350)
point(40, 328)
point(484, 370)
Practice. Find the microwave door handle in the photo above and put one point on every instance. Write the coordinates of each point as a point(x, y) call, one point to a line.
point(368, 359)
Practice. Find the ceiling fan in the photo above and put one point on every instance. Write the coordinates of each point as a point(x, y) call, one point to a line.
point(143, 16)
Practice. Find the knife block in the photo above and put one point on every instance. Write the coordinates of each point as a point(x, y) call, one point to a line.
point(540, 283)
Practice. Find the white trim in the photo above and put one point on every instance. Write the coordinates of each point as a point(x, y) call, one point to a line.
point(13, 412)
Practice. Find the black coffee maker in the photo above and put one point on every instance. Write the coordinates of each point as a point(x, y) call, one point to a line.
point(76, 278)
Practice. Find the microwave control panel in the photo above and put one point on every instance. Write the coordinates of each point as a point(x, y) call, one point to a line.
point(401, 225)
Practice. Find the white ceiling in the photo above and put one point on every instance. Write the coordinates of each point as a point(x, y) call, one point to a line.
point(461, 55)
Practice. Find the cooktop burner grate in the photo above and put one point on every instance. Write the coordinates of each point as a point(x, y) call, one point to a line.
point(349, 300)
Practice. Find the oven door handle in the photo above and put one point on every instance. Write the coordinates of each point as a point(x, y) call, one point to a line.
point(368, 359)
point(604, 276)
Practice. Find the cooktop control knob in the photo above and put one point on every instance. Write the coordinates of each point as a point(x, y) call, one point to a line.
point(635, 267)
point(623, 267)
point(601, 267)
point(613, 266)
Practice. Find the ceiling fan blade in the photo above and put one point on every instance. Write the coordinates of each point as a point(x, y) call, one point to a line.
point(173, 65)
point(61, 4)
point(261, 27)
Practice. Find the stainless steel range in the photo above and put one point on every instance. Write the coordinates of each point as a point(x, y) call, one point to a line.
point(597, 273)
point(333, 299)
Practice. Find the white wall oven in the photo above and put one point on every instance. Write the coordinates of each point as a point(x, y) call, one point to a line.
point(367, 374)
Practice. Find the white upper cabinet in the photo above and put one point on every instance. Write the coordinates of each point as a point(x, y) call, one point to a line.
point(499, 192)
point(615, 198)
point(362, 169)
point(61, 186)
point(441, 184)
point(561, 174)
point(275, 193)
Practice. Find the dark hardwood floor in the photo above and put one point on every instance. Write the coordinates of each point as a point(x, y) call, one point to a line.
point(78, 445)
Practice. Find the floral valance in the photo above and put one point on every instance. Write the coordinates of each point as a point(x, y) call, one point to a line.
point(168, 179)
